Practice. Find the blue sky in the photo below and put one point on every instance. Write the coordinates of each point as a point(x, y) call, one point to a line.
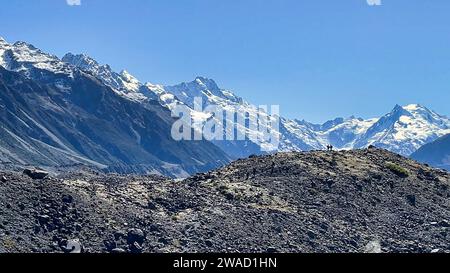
point(318, 59)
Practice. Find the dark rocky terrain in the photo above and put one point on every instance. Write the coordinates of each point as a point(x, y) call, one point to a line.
point(86, 123)
point(351, 201)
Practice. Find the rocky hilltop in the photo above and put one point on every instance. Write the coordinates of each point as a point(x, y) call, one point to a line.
point(366, 200)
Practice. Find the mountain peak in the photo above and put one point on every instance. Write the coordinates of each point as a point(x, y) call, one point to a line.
point(26, 58)
point(80, 60)
point(208, 83)
point(412, 106)
point(3, 41)
point(397, 112)
point(397, 107)
point(128, 77)
point(71, 55)
point(24, 45)
point(126, 74)
point(411, 109)
point(123, 83)
point(415, 108)
point(202, 79)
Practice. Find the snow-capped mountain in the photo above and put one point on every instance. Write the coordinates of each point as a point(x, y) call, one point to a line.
point(403, 130)
point(53, 114)
point(183, 94)
point(226, 101)
point(30, 61)
point(122, 83)
point(294, 135)
point(341, 133)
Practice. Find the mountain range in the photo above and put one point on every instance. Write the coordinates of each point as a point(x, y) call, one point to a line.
point(403, 130)
point(56, 115)
point(73, 110)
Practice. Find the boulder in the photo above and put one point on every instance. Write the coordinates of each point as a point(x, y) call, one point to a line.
point(67, 199)
point(373, 247)
point(35, 174)
point(44, 219)
point(119, 235)
point(411, 199)
point(73, 246)
point(136, 248)
point(444, 223)
point(272, 250)
point(135, 235)
point(118, 251)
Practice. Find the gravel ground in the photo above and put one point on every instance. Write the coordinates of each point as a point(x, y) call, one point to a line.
point(351, 201)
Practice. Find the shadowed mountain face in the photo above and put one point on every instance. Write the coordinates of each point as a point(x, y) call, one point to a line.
point(354, 201)
point(65, 120)
point(436, 153)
